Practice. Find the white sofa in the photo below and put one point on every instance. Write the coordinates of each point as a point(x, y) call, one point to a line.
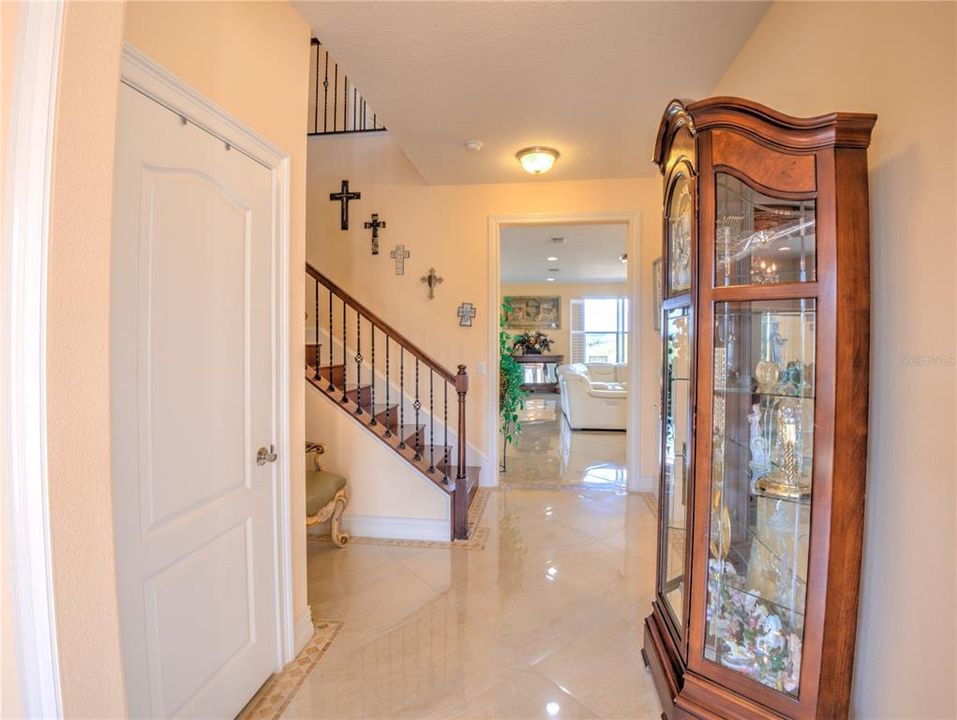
point(594, 395)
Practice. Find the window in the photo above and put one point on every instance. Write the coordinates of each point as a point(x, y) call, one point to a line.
point(599, 330)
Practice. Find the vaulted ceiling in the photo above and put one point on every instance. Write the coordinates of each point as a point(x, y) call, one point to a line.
point(588, 78)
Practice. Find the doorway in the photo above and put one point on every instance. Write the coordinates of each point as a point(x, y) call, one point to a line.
point(557, 266)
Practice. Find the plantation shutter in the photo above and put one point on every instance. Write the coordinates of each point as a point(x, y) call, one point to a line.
point(576, 323)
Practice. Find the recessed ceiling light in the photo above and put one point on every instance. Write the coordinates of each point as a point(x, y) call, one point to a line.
point(473, 145)
point(537, 160)
point(784, 248)
point(549, 279)
point(552, 258)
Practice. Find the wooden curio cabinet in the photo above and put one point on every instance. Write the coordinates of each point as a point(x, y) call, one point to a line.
point(765, 327)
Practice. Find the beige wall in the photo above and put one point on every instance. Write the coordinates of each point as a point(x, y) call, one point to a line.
point(446, 226)
point(567, 292)
point(9, 680)
point(250, 58)
point(78, 400)
point(898, 60)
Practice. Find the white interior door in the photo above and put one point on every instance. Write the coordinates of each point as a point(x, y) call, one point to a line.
point(192, 398)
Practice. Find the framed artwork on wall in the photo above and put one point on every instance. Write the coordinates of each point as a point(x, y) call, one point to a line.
point(535, 312)
point(658, 287)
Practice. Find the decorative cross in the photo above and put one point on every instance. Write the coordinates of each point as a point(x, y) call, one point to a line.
point(400, 254)
point(466, 313)
point(375, 225)
point(432, 279)
point(344, 196)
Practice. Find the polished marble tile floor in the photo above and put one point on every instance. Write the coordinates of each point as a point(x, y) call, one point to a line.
point(544, 622)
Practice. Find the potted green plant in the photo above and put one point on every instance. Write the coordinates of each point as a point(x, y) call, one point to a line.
point(511, 396)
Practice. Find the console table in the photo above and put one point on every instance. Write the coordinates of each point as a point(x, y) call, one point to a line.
point(539, 372)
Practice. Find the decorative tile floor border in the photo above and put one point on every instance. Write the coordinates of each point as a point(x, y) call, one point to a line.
point(477, 535)
point(272, 699)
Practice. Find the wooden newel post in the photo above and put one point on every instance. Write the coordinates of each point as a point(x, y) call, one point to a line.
point(460, 497)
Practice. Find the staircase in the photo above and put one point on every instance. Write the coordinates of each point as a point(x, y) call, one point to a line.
point(393, 389)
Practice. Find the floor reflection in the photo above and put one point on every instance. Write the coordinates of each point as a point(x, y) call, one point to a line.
point(548, 453)
point(545, 622)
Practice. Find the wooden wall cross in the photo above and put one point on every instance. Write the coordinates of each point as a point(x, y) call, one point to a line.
point(432, 279)
point(375, 225)
point(344, 196)
point(400, 254)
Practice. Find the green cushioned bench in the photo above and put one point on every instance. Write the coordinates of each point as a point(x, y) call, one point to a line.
point(326, 496)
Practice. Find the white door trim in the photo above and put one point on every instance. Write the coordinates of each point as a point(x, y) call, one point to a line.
point(145, 76)
point(631, 218)
point(23, 331)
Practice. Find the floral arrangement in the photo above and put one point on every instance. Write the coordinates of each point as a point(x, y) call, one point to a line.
point(751, 639)
point(532, 343)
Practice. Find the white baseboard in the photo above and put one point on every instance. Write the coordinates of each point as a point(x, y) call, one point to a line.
point(396, 528)
point(304, 630)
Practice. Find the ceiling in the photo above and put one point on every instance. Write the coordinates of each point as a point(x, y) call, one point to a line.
point(588, 78)
point(589, 253)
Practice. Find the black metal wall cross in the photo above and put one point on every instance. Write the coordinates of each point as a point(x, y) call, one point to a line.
point(344, 196)
point(375, 225)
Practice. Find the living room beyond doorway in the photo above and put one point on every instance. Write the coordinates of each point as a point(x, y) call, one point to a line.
point(565, 352)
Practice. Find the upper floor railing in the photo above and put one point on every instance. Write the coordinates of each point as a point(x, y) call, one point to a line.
point(335, 104)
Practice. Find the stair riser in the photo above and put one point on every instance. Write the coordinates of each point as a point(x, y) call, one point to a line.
point(362, 396)
point(337, 372)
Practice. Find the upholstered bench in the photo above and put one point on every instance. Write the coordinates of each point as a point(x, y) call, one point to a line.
point(326, 496)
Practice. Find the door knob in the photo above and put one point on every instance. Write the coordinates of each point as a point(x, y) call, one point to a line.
point(264, 456)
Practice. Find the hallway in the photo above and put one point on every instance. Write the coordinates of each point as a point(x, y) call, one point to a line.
point(545, 621)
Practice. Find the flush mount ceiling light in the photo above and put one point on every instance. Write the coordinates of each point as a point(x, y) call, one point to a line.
point(537, 160)
point(552, 258)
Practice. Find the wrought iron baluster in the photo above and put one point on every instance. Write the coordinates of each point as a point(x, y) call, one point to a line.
point(345, 105)
point(355, 94)
point(325, 96)
point(315, 112)
point(335, 98)
point(372, 378)
point(318, 346)
point(417, 406)
point(359, 363)
point(388, 382)
point(445, 423)
point(345, 345)
point(401, 397)
point(431, 421)
point(332, 367)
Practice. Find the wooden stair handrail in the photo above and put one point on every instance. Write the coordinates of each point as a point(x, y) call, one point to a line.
point(394, 334)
